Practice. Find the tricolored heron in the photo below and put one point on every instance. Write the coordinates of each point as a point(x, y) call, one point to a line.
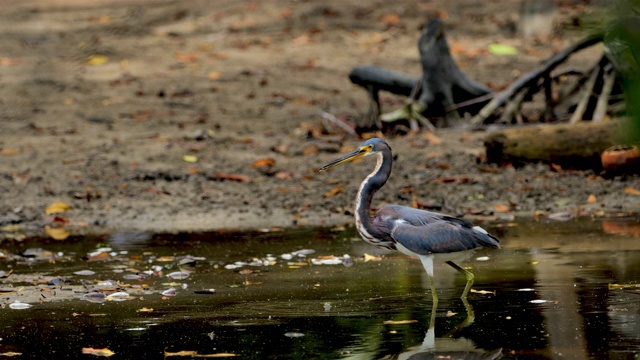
point(413, 232)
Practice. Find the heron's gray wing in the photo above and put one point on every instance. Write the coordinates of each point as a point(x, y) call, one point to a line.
point(434, 238)
point(421, 217)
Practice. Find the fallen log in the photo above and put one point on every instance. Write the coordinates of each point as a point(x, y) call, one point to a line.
point(572, 146)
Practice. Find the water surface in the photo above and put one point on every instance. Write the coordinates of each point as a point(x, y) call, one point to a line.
point(554, 291)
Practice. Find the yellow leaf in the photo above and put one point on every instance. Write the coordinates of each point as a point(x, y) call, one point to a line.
point(399, 322)
point(145, 310)
point(214, 75)
point(57, 207)
point(592, 199)
point(98, 352)
point(623, 286)
point(97, 60)
point(11, 228)
point(57, 233)
point(502, 49)
point(501, 208)
point(8, 152)
point(482, 292)
point(195, 354)
point(190, 158)
point(631, 191)
point(368, 258)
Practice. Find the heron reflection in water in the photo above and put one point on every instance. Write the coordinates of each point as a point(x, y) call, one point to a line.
point(414, 232)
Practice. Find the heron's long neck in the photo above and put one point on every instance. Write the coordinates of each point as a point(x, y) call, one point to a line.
point(369, 187)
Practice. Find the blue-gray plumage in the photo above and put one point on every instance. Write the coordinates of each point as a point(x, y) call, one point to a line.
point(411, 231)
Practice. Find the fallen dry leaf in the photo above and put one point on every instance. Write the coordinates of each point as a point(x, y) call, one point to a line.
point(432, 138)
point(57, 207)
point(214, 75)
point(101, 256)
point(500, 208)
point(631, 191)
point(184, 57)
point(592, 199)
point(310, 150)
point(264, 162)
point(57, 233)
point(8, 152)
point(230, 177)
point(303, 39)
point(451, 179)
point(334, 191)
point(6, 61)
point(98, 352)
point(284, 176)
point(60, 219)
point(194, 170)
point(391, 20)
point(611, 226)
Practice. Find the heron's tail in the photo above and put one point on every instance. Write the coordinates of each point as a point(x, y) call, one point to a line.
point(485, 239)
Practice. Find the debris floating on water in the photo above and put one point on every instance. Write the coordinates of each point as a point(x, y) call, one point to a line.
point(119, 296)
point(94, 297)
point(170, 292)
point(17, 305)
point(85, 272)
point(294, 334)
point(205, 292)
point(179, 275)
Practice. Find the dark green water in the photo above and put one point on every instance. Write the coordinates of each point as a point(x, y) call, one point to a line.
point(544, 295)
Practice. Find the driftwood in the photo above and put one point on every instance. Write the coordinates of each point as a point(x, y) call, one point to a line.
point(433, 95)
point(446, 93)
point(582, 100)
point(532, 82)
point(572, 146)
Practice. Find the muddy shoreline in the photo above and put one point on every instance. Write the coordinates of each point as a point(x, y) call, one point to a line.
point(163, 117)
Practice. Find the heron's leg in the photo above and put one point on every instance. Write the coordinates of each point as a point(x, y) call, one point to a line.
point(467, 274)
point(427, 262)
point(429, 342)
point(434, 296)
point(471, 317)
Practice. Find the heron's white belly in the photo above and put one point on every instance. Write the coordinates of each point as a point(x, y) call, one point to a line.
point(442, 257)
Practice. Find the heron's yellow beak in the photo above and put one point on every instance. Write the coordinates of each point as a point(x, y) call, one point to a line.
point(360, 152)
